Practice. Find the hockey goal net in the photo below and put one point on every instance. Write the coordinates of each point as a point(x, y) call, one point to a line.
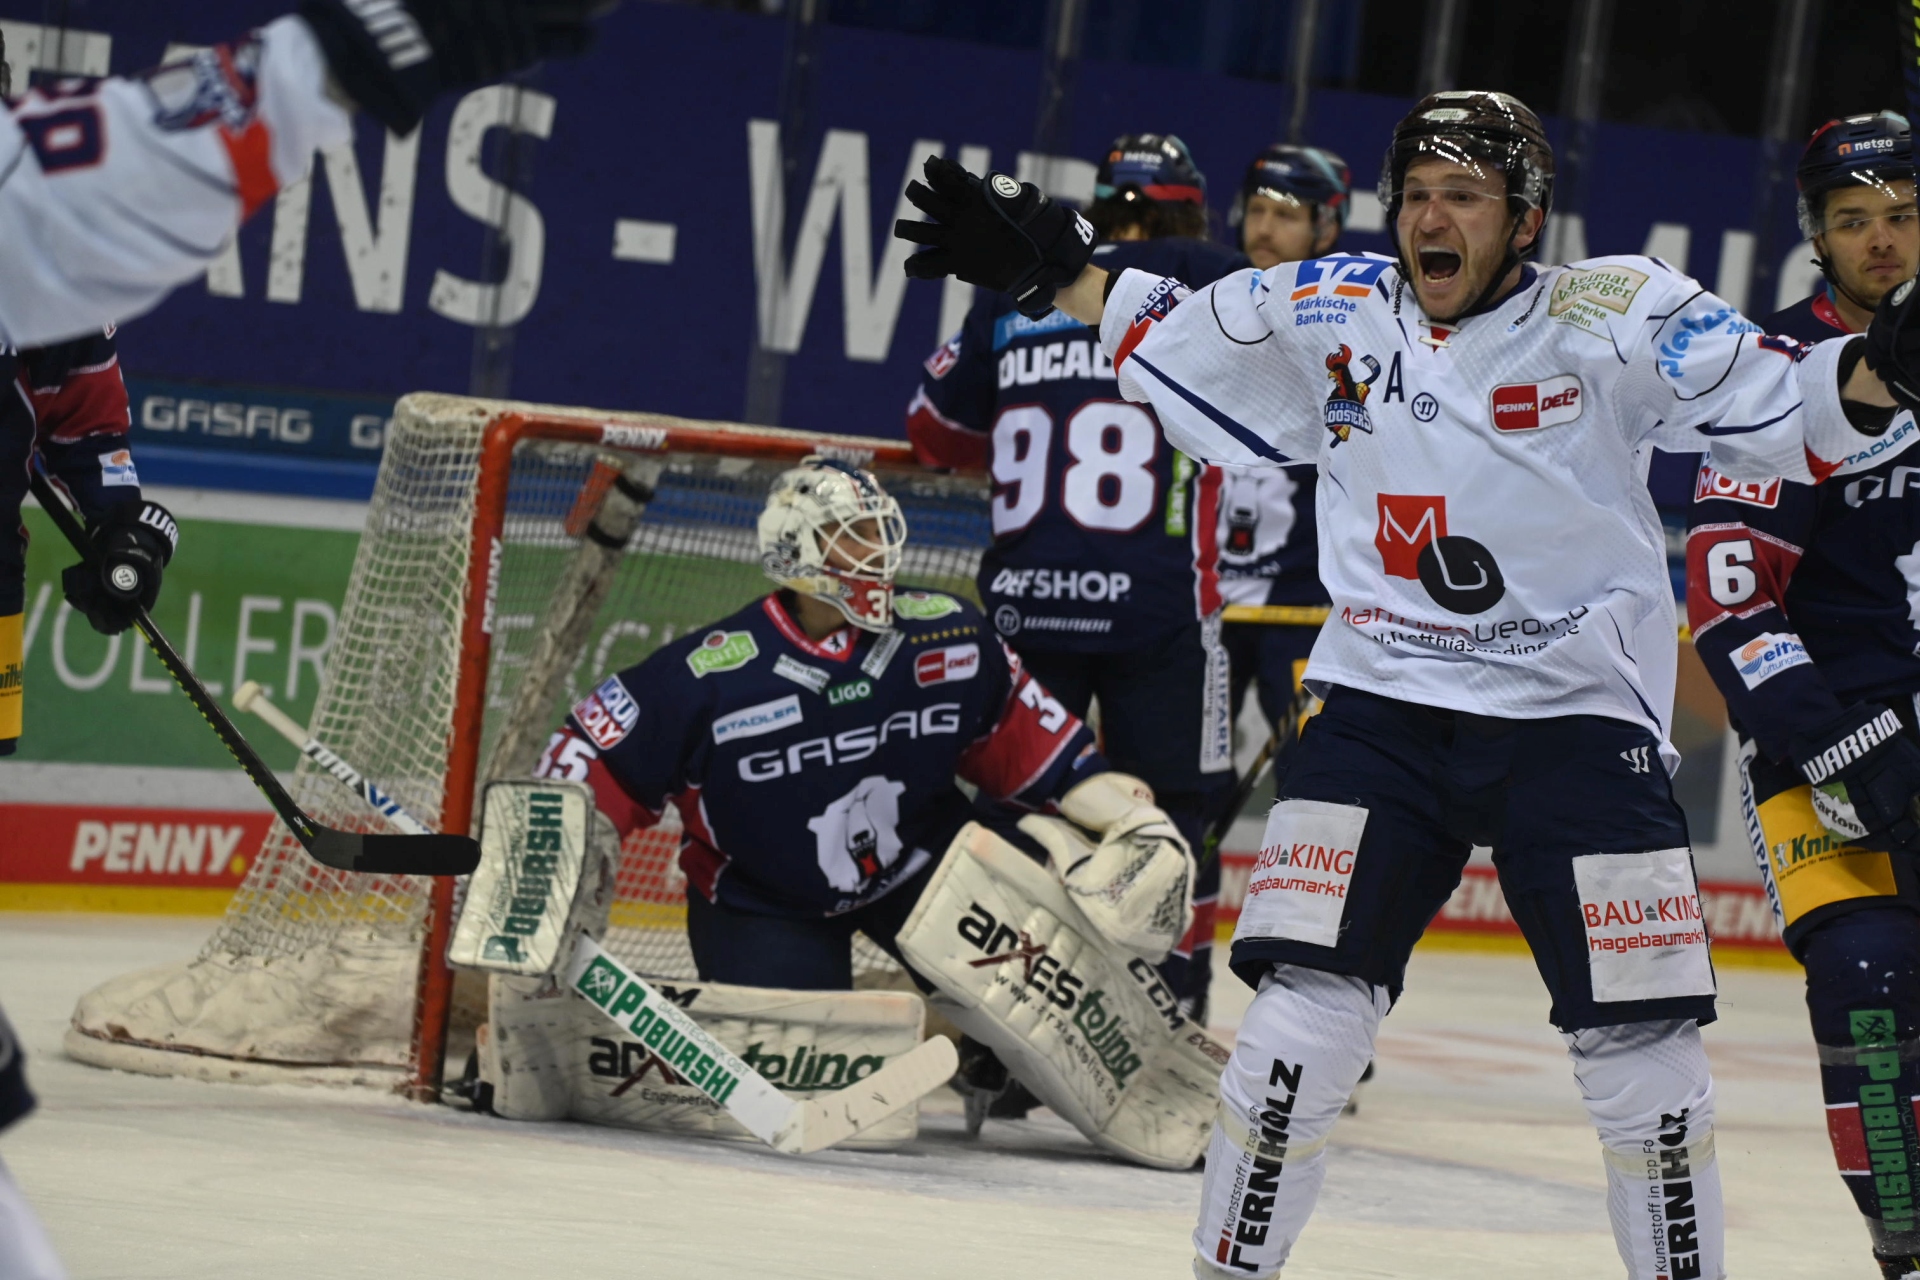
point(486, 598)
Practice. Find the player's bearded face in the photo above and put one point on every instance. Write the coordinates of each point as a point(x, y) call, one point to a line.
point(1276, 231)
point(1872, 238)
point(1455, 225)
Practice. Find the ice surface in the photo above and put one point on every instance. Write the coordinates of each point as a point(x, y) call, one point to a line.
point(1469, 1157)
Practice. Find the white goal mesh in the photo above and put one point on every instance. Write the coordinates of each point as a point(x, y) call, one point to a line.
point(318, 971)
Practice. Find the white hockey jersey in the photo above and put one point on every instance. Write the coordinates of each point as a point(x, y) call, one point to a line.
point(112, 192)
point(1485, 529)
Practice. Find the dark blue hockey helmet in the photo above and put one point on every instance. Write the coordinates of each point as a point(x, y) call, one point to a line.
point(1156, 165)
point(1312, 176)
point(1872, 150)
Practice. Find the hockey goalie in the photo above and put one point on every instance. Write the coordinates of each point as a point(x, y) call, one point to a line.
point(811, 743)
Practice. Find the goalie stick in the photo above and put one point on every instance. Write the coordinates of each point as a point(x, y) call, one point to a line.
point(417, 855)
point(791, 1126)
point(250, 697)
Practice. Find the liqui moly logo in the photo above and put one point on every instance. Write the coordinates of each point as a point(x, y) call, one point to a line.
point(1755, 493)
point(1528, 406)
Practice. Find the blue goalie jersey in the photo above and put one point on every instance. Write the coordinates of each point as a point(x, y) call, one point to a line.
point(1805, 598)
point(1105, 537)
point(813, 777)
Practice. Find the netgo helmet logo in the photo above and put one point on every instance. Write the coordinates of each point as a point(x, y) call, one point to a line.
point(1528, 406)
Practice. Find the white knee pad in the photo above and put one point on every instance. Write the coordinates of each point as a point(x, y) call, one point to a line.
point(1302, 1046)
point(1650, 1095)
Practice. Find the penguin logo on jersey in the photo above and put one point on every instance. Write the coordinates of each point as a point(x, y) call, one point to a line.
point(856, 838)
point(1347, 402)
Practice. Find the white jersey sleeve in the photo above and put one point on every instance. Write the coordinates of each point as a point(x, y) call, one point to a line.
point(1699, 376)
point(113, 192)
point(1219, 365)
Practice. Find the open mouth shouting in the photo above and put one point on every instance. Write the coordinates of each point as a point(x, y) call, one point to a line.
point(1437, 265)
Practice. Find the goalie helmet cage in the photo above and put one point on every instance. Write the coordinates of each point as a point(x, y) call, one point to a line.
point(473, 536)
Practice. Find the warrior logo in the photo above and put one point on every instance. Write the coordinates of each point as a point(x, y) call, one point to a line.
point(1347, 402)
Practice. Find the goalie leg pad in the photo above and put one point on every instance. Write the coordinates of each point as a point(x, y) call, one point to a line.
point(1091, 1030)
point(1302, 1046)
point(551, 1055)
point(1650, 1095)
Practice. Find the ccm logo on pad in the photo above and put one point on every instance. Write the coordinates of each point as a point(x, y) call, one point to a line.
point(1528, 406)
point(955, 662)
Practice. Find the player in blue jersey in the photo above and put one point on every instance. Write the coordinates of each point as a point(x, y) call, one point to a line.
point(1292, 206)
point(810, 741)
point(1805, 605)
point(1103, 573)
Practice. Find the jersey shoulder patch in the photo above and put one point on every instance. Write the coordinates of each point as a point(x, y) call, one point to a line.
point(1591, 295)
point(924, 606)
point(608, 714)
point(722, 650)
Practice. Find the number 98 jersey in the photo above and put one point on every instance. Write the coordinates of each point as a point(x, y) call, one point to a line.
point(1104, 535)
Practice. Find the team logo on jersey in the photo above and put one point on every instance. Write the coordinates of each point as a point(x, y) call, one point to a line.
point(764, 717)
point(923, 605)
point(1755, 493)
point(608, 714)
point(212, 84)
point(940, 666)
point(851, 691)
point(1459, 573)
point(857, 838)
point(941, 362)
point(1347, 402)
point(722, 651)
point(1767, 655)
point(1528, 406)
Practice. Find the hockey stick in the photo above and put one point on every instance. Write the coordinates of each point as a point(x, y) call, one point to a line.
point(249, 697)
point(417, 855)
point(792, 1126)
point(1242, 791)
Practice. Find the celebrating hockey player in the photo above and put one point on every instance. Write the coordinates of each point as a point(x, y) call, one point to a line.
point(92, 234)
point(1499, 667)
point(1102, 573)
point(68, 414)
point(1801, 599)
point(810, 743)
point(1292, 206)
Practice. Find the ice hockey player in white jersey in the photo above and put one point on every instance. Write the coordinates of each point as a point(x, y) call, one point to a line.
point(1499, 665)
point(114, 191)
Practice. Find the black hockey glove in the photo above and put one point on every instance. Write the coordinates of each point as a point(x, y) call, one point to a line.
point(121, 576)
point(1865, 773)
point(996, 233)
point(393, 57)
point(1893, 344)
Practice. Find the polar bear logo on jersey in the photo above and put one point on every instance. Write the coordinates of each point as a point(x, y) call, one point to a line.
point(1256, 514)
point(857, 836)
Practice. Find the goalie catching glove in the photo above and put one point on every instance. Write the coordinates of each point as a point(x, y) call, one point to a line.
point(996, 232)
point(1134, 880)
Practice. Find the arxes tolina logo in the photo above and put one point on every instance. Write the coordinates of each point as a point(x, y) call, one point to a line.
point(1347, 402)
point(1459, 573)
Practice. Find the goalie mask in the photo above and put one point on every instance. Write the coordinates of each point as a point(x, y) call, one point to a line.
point(831, 532)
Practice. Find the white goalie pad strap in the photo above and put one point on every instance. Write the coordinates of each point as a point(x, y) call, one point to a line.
point(546, 857)
point(808, 1043)
point(1135, 886)
point(1092, 1031)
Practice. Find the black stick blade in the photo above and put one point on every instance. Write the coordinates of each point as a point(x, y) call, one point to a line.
point(438, 855)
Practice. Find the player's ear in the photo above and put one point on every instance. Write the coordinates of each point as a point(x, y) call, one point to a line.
point(1526, 229)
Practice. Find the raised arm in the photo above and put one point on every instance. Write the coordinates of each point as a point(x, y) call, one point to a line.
point(113, 192)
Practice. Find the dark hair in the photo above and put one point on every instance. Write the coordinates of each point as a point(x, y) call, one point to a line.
point(1157, 218)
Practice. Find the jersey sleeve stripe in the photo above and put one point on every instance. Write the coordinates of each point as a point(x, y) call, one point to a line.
point(1244, 437)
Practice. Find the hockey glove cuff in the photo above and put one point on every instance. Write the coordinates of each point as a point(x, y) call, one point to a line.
point(130, 548)
point(1865, 772)
point(393, 59)
point(1893, 344)
point(997, 233)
